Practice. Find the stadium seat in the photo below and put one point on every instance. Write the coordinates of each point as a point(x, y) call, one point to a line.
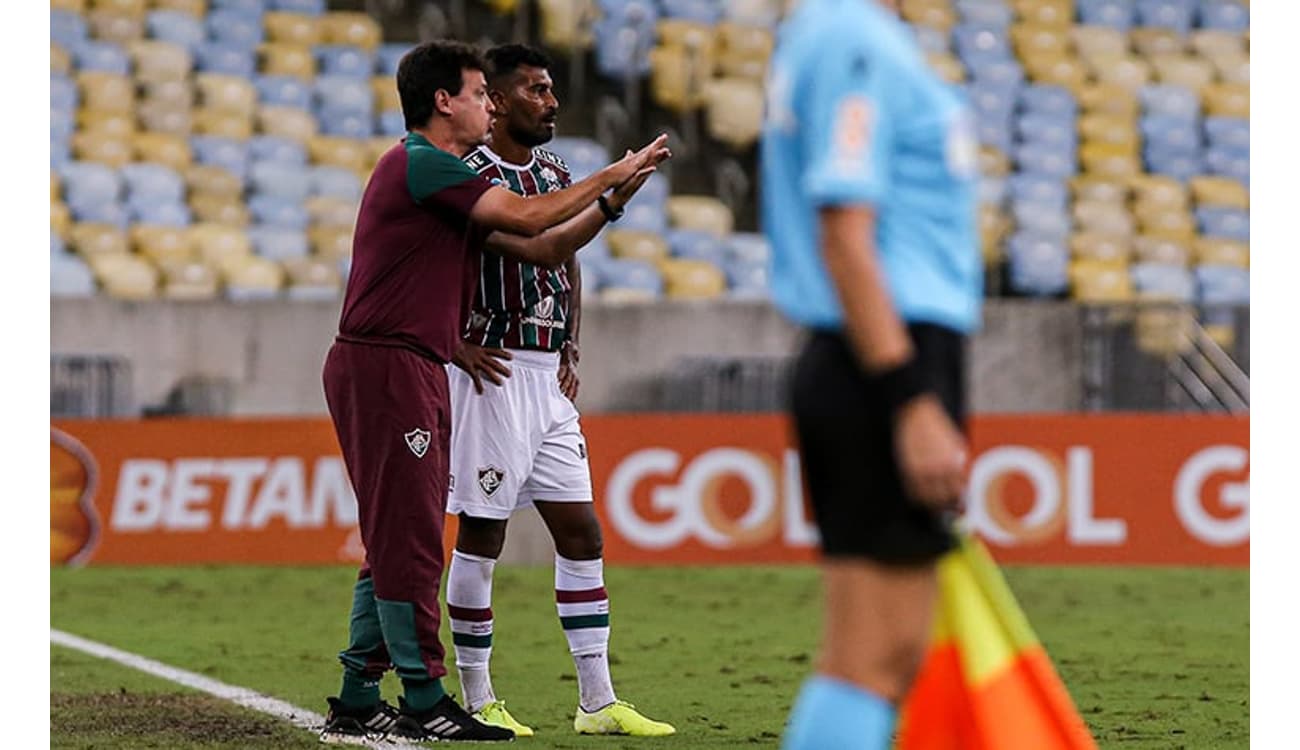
point(253, 278)
point(1100, 247)
point(68, 29)
point(218, 209)
point(116, 28)
point(60, 220)
point(1213, 43)
point(90, 240)
point(188, 281)
point(993, 162)
point(344, 93)
point(160, 61)
point(177, 27)
point(1103, 218)
point(1233, 69)
point(702, 212)
point(1100, 283)
point(213, 180)
point(279, 243)
point(169, 119)
point(291, 28)
point(222, 124)
point(1160, 191)
point(1182, 70)
point(60, 60)
point(162, 244)
point(286, 122)
point(1046, 161)
point(1099, 42)
point(1131, 73)
point(939, 15)
point(110, 124)
point(227, 153)
point(220, 245)
point(112, 150)
point(1176, 225)
point(388, 56)
point(1171, 101)
point(978, 12)
point(339, 152)
point(1175, 15)
point(277, 149)
point(1229, 162)
point(678, 77)
point(345, 61)
point(70, 277)
point(274, 211)
point(696, 245)
point(126, 277)
point(1048, 99)
point(331, 242)
point(1227, 100)
point(734, 111)
point(692, 279)
point(331, 211)
point(351, 28)
point(1224, 15)
point(281, 59)
point(194, 8)
point(1219, 191)
point(106, 92)
point(173, 93)
point(305, 7)
point(223, 93)
point(637, 245)
point(153, 182)
point(1037, 266)
point(994, 227)
point(91, 182)
point(1226, 223)
point(1164, 133)
point(169, 213)
point(235, 27)
point(1041, 220)
point(626, 281)
point(1048, 130)
point(1161, 250)
point(225, 59)
point(312, 279)
point(101, 57)
point(1032, 40)
point(1222, 252)
point(565, 24)
point(336, 182)
point(284, 91)
point(1109, 128)
point(1005, 75)
point(281, 179)
point(948, 68)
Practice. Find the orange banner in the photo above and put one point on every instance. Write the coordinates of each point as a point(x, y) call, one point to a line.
point(670, 489)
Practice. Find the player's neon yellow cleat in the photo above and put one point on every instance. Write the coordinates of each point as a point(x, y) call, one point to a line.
point(495, 714)
point(620, 717)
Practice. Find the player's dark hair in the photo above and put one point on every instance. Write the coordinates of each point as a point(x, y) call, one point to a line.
point(505, 59)
point(430, 67)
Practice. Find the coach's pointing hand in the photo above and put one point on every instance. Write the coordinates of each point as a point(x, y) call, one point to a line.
point(481, 362)
point(931, 453)
point(634, 163)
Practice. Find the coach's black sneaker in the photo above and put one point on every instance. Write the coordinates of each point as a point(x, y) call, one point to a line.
point(357, 726)
point(446, 722)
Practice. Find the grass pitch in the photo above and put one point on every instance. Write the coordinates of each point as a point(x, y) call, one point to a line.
point(1155, 658)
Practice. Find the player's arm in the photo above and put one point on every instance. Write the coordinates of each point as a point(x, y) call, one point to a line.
point(848, 133)
point(570, 353)
point(530, 216)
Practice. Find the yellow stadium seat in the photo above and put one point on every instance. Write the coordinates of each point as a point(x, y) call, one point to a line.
point(253, 274)
point(1159, 190)
point(128, 7)
point(745, 40)
point(175, 93)
point(1094, 150)
point(339, 152)
point(1114, 130)
point(637, 245)
point(218, 244)
point(1109, 99)
point(73, 6)
point(190, 281)
point(1057, 70)
point(1224, 252)
point(1219, 191)
point(210, 179)
point(118, 28)
point(56, 186)
point(947, 67)
point(193, 7)
point(1099, 42)
point(226, 94)
point(325, 210)
point(1059, 13)
point(331, 243)
point(1170, 224)
point(160, 61)
point(287, 122)
point(291, 28)
point(91, 240)
point(1164, 329)
point(939, 15)
point(354, 28)
point(1097, 247)
point(1151, 249)
point(1113, 166)
point(378, 146)
point(126, 277)
point(1227, 100)
point(115, 124)
point(731, 65)
point(1100, 189)
point(1151, 41)
point(162, 243)
point(1032, 39)
point(224, 124)
point(1233, 69)
point(161, 117)
point(106, 92)
point(1131, 73)
point(386, 96)
point(60, 60)
point(1212, 43)
point(314, 274)
point(735, 111)
point(688, 35)
point(1103, 218)
point(112, 150)
point(280, 59)
point(566, 24)
point(692, 279)
point(678, 78)
point(994, 228)
point(700, 212)
point(993, 162)
point(163, 148)
point(60, 220)
point(1222, 334)
point(1100, 282)
point(1183, 70)
point(217, 209)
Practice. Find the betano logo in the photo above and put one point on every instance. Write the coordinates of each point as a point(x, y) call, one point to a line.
point(198, 494)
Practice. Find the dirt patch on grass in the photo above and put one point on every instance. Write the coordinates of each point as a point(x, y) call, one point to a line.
point(161, 720)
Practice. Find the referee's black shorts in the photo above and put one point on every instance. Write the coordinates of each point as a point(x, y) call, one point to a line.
point(846, 441)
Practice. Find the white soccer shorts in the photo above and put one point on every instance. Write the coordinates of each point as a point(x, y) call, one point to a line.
point(515, 443)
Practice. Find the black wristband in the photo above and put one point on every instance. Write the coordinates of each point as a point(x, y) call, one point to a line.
point(899, 385)
point(610, 214)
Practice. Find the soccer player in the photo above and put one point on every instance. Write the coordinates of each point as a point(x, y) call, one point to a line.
point(518, 442)
point(416, 249)
point(868, 181)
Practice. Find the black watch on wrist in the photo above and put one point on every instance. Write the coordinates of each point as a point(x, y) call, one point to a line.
point(610, 214)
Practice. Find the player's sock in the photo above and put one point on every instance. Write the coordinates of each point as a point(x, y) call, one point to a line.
point(359, 691)
point(832, 714)
point(469, 607)
point(583, 606)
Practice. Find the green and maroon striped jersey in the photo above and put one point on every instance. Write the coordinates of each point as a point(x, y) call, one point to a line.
point(519, 305)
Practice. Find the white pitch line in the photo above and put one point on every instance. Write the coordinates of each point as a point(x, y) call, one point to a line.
point(299, 717)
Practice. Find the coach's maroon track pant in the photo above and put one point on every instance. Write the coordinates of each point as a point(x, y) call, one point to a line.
point(391, 411)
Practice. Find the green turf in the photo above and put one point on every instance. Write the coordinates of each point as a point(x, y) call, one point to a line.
point(1156, 658)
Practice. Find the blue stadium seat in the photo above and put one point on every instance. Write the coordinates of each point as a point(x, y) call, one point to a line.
point(67, 29)
point(1229, 162)
point(993, 191)
point(1042, 220)
point(1046, 161)
point(1037, 265)
point(277, 211)
point(625, 273)
point(583, 156)
point(980, 43)
point(696, 245)
point(392, 122)
point(278, 243)
point(1229, 223)
point(96, 212)
point(153, 182)
point(995, 131)
point(253, 7)
point(746, 280)
point(1117, 14)
point(644, 215)
point(346, 123)
point(57, 248)
point(931, 39)
point(227, 153)
point(598, 248)
point(284, 180)
point(284, 91)
point(1051, 100)
point(1000, 73)
point(643, 14)
point(63, 123)
point(388, 56)
point(101, 56)
point(63, 94)
point(71, 277)
point(235, 27)
point(993, 100)
point(1224, 15)
point(1169, 14)
point(91, 182)
point(1230, 133)
point(1045, 191)
point(1170, 100)
point(984, 12)
point(1222, 285)
point(344, 93)
point(336, 182)
point(177, 27)
point(305, 7)
point(168, 213)
point(1165, 280)
point(703, 11)
point(60, 152)
point(622, 50)
point(226, 59)
point(277, 149)
point(1048, 129)
point(1181, 165)
point(1167, 134)
point(748, 247)
point(344, 60)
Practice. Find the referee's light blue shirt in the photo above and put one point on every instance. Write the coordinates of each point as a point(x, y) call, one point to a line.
point(856, 117)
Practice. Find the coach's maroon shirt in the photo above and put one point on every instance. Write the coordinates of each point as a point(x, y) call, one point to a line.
point(415, 255)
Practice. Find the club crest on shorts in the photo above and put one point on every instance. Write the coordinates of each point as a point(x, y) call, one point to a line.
point(418, 441)
point(489, 479)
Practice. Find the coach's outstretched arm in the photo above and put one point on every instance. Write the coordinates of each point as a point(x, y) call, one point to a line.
point(532, 215)
point(558, 244)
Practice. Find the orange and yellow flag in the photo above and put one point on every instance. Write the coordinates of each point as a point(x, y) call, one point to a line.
point(986, 682)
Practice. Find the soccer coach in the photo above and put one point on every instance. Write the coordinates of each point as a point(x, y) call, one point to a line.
point(869, 201)
point(423, 220)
